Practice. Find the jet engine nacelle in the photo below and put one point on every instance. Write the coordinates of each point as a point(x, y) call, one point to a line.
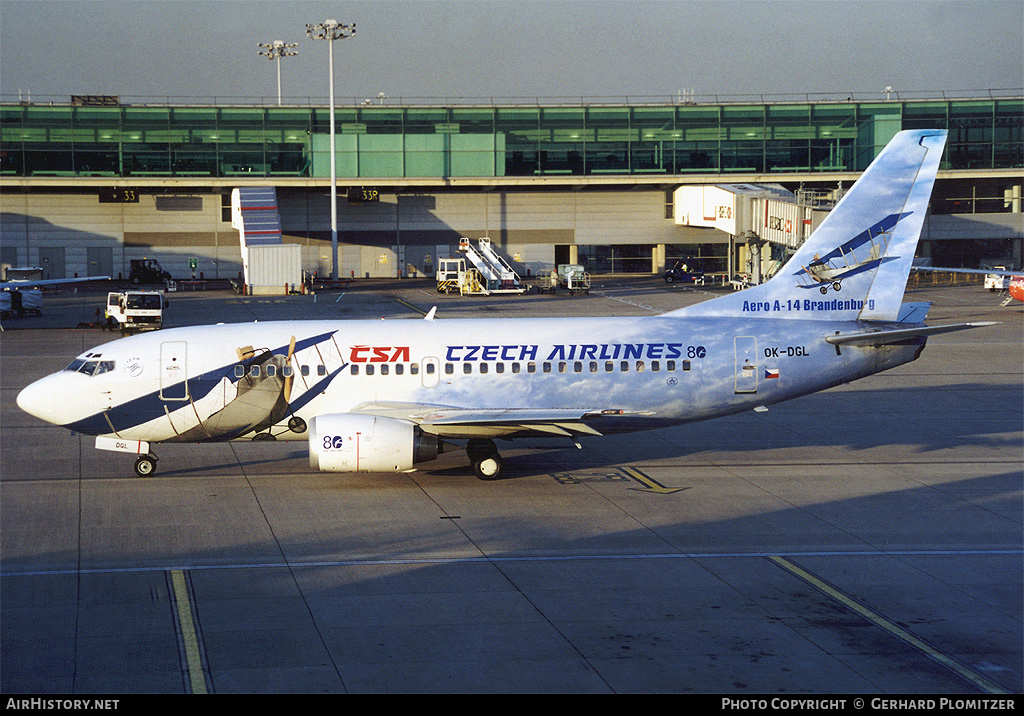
point(366, 443)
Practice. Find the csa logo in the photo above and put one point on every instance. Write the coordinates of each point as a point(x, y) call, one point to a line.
point(133, 366)
point(379, 354)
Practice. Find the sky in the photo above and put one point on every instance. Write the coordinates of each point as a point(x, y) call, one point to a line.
point(432, 50)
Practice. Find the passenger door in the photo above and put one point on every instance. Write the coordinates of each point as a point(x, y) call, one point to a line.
point(173, 370)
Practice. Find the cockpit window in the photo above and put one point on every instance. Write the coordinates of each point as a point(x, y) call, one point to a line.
point(91, 367)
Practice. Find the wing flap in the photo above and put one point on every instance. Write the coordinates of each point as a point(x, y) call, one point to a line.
point(453, 422)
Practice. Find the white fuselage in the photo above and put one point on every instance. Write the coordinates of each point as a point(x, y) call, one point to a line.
point(200, 383)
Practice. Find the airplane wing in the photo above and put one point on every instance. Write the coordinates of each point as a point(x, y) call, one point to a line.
point(453, 422)
point(881, 336)
point(48, 282)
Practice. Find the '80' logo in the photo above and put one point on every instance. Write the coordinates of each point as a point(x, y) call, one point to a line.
point(333, 442)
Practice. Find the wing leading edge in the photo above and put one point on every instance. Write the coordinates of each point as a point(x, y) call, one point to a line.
point(880, 336)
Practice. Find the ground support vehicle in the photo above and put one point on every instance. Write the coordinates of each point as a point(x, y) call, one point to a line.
point(147, 271)
point(573, 278)
point(135, 311)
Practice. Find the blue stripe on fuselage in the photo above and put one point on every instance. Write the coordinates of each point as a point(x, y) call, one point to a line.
point(148, 407)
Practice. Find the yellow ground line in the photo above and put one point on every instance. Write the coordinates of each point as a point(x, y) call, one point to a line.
point(950, 663)
point(409, 305)
point(649, 483)
point(193, 660)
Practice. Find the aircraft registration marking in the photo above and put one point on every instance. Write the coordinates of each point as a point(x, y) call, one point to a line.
point(788, 351)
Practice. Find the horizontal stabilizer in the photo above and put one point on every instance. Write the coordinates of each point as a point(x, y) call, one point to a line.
point(882, 337)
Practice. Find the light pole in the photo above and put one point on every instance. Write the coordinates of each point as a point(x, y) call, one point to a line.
point(331, 30)
point(275, 51)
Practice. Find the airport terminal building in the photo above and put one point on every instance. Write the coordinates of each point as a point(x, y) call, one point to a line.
point(88, 184)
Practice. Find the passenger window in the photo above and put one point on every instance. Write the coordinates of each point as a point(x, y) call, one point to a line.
point(686, 365)
point(655, 365)
point(287, 371)
point(467, 368)
point(449, 369)
point(593, 366)
point(561, 367)
point(547, 367)
point(483, 367)
point(639, 366)
point(369, 369)
point(515, 367)
point(414, 368)
point(624, 366)
point(399, 368)
point(384, 369)
point(670, 365)
point(321, 370)
point(499, 367)
point(254, 371)
point(354, 369)
point(271, 371)
point(577, 367)
point(531, 367)
point(609, 367)
point(239, 371)
point(304, 370)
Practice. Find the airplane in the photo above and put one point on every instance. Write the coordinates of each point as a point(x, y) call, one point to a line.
point(22, 294)
point(845, 260)
point(387, 396)
point(1017, 288)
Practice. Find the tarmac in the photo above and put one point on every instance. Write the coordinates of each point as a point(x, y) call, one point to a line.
point(864, 540)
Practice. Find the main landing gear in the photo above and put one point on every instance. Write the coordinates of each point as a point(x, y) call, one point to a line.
point(486, 461)
point(145, 466)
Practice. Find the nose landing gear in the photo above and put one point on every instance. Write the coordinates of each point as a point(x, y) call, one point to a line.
point(145, 466)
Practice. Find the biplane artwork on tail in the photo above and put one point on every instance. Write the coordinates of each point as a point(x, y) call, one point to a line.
point(862, 253)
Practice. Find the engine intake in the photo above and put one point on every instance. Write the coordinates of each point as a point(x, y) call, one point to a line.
point(366, 443)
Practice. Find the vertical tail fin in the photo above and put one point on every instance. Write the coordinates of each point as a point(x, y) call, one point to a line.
point(855, 265)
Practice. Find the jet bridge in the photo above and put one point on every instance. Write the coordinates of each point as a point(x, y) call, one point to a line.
point(498, 276)
point(753, 215)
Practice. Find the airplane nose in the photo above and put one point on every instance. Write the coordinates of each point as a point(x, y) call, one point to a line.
point(38, 399)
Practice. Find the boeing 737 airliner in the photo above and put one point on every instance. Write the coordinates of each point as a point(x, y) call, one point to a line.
point(384, 396)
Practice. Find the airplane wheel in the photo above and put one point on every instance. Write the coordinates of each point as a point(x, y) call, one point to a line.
point(837, 286)
point(824, 290)
point(296, 424)
point(145, 466)
point(488, 468)
point(483, 454)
